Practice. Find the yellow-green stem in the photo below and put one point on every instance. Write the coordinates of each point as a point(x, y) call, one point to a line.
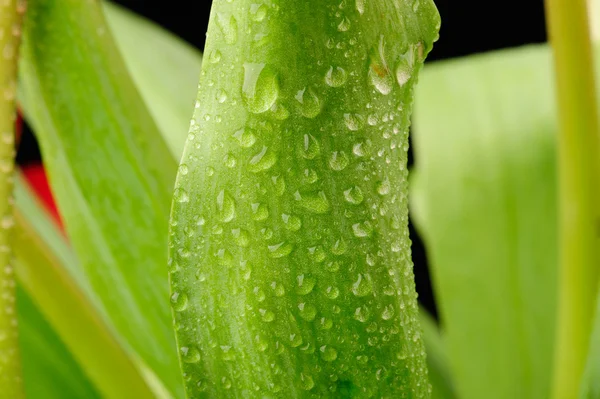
point(579, 184)
point(10, 31)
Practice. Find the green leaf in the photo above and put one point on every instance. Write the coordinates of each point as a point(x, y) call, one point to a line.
point(290, 263)
point(10, 362)
point(43, 264)
point(49, 370)
point(164, 68)
point(80, 100)
point(485, 201)
point(437, 360)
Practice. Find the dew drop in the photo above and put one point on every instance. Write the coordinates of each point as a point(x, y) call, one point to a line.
point(344, 25)
point(307, 311)
point(338, 161)
point(221, 96)
point(241, 237)
point(362, 314)
point(225, 207)
point(263, 160)
point(313, 202)
point(309, 104)
point(278, 289)
point(305, 285)
point(360, 6)
point(183, 169)
point(229, 27)
point(260, 211)
point(245, 137)
point(353, 122)
point(328, 353)
point(332, 292)
point(383, 187)
point(180, 195)
point(388, 312)
point(339, 247)
point(336, 77)
point(379, 73)
point(306, 382)
point(325, 323)
point(261, 87)
point(292, 223)
point(280, 112)
point(214, 56)
point(364, 229)
point(354, 195)
point(279, 183)
point(189, 354)
point(295, 340)
point(363, 286)
point(404, 69)
point(179, 302)
point(280, 250)
point(310, 147)
point(258, 11)
point(266, 315)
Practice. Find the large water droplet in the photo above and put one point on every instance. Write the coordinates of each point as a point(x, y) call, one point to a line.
point(180, 195)
point(363, 286)
point(328, 353)
point(266, 315)
point(179, 301)
point(344, 25)
point(308, 103)
point(388, 312)
point(362, 314)
point(229, 27)
point(263, 160)
point(280, 250)
point(258, 11)
point(225, 207)
point(245, 137)
point(190, 354)
point(379, 73)
point(292, 223)
point(404, 69)
point(360, 6)
point(310, 147)
point(336, 77)
point(306, 283)
point(364, 229)
point(306, 382)
point(261, 87)
point(260, 211)
point(354, 122)
point(241, 237)
point(338, 161)
point(313, 202)
point(354, 195)
point(307, 311)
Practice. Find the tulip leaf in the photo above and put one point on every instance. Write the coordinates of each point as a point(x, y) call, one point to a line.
point(484, 197)
point(290, 261)
point(80, 100)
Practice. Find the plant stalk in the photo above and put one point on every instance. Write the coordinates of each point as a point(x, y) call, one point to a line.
point(11, 12)
point(579, 194)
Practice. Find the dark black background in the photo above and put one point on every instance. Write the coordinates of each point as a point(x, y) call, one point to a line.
point(468, 27)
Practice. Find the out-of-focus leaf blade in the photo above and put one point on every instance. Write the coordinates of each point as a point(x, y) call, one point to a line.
point(110, 170)
point(485, 202)
point(437, 361)
point(49, 370)
point(42, 272)
point(164, 68)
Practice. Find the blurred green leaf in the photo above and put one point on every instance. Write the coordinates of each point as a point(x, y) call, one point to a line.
point(485, 201)
point(49, 370)
point(164, 68)
point(42, 258)
point(437, 361)
point(110, 170)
